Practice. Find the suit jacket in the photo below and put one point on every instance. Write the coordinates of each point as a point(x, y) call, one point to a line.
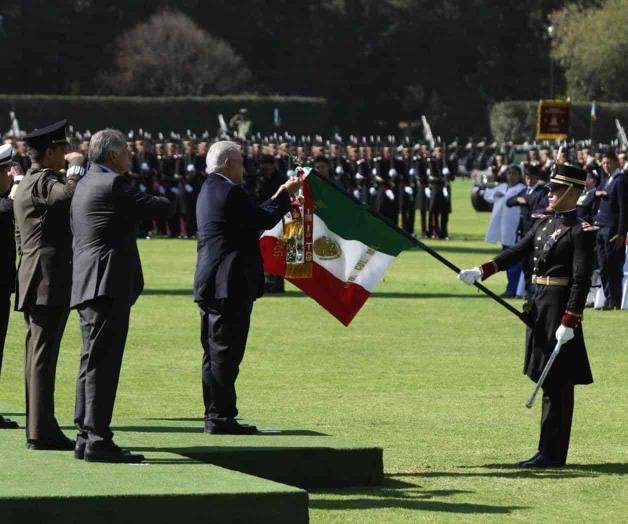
point(229, 262)
point(43, 238)
point(106, 211)
point(612, 212)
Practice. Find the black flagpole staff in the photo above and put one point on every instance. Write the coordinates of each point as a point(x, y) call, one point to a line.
point(482, 288)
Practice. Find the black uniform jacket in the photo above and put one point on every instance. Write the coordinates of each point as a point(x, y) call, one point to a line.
point(43, 238)
point(106, 210)
point(560, 247)
point(229, 262)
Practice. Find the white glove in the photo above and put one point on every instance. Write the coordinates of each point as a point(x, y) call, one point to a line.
point(392, 172)
point(142, 188)
point(408, 190)
point(13, 191)
point(339, 170)
point(428, 192)
point(189, 188)
point(372, 191)
point(469, 276)
point(564, 334)
point(445, 192)
point(446, 171)
point(356, 194)
point(390, 194)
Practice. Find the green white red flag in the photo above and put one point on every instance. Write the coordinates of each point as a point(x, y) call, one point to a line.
point(332, 248)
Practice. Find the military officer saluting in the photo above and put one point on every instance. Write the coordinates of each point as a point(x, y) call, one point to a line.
point(562, 249)
point(44, 279)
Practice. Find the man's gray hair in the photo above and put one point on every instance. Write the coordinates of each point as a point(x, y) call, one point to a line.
point(218, 153)
point(105, 142)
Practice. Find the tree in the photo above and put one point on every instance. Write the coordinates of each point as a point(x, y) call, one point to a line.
point(171, 55)
point(591, 45)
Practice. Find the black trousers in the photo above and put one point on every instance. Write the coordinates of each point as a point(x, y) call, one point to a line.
point(424, 225)
point(556, 416)
point(104, 327)
point(5, 313)
point(611, 262)
point(224, 331)
point(44, 331)
point(408, 216)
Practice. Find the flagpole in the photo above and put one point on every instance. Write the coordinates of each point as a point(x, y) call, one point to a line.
point(481, 287)
point(432, 252)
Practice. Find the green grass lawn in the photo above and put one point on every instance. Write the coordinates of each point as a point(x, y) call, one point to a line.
point(430, 370)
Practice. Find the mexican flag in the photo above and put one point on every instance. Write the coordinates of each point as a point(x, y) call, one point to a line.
point(332, 247)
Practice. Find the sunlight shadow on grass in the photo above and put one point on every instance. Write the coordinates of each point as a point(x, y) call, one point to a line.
point(400, 494)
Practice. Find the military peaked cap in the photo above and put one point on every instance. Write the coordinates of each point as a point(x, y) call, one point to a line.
point(6, 152)
point(568, 175)
point(48, 136)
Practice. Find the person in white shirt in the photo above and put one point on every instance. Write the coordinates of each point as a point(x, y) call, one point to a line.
point(504, 222)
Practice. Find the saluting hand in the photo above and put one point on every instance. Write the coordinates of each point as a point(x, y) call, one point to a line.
point(292, 185)
point(73, 156)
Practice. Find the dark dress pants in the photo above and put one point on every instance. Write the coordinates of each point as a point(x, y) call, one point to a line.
point(611, 262)
point(224, 331)
point(104, 327)
point(5, 312)
point(556, 416)
point(44, 331)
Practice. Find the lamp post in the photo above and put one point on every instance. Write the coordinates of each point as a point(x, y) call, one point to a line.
point(550, 34)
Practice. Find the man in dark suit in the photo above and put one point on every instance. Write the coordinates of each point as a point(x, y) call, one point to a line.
point(44, 276)
point(106, 282)
point(612, 219)
point(562, 249)
point(7, 255)
point(229, 276)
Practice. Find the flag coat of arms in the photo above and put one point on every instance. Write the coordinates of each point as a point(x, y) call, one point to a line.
point(332, 247)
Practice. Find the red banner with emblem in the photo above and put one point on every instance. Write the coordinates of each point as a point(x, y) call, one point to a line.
point(552, 120)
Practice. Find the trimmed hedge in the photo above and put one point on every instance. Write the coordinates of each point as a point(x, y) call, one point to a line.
point(299, 115)
point(516, 121)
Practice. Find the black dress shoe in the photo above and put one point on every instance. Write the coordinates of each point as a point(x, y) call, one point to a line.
point(110, 453)
point(230, 427)
point(540, 461)
point(59, 443)
point(79, 449)
point(533, 457)
point(6, 423)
